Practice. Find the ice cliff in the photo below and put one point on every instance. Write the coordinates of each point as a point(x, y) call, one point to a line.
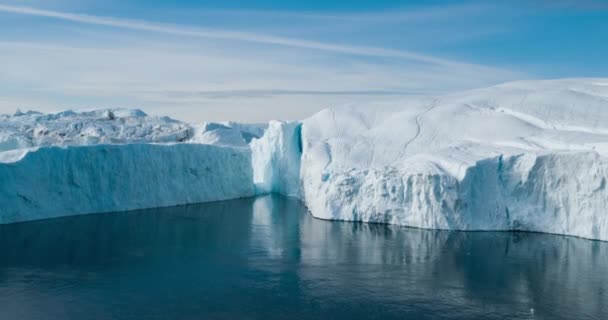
point(59, 181)
point(528, 155)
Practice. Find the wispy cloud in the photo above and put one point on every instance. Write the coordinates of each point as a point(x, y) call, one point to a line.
point(179, 30)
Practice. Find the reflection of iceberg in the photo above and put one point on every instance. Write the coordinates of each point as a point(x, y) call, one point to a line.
point(453, 274)
point(269, 251)
point(274, 226)
point(264, 234)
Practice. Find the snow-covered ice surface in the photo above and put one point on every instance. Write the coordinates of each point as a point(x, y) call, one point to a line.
point(528, 155)
point(520, 156)
point(227, 133)
point(116, 126)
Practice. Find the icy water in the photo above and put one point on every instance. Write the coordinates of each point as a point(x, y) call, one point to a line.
point(266, 258)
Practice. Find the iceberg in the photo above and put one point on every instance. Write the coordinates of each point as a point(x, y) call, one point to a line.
point(527, 155)
point(520, 156)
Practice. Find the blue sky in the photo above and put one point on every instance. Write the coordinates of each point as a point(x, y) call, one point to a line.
point(256, 60)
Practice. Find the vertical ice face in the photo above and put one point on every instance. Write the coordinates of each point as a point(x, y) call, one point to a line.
point(53, 181)
point(276, 159)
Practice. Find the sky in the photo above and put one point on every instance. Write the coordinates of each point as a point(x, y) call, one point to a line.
point(255, 60)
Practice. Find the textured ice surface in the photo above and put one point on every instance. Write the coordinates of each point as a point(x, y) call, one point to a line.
point(58, 181)
point(227, 133)
point(116, 126)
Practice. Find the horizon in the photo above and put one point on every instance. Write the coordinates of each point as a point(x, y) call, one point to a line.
point(262, 60)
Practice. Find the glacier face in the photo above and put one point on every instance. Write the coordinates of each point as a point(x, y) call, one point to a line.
point(528, 155)
point(58, 181)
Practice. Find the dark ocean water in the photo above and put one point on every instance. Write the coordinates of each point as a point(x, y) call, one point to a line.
point(266, 258)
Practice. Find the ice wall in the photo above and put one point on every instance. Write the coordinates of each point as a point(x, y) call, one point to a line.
point(54, 181)
point(276, 159)
point(562, 193)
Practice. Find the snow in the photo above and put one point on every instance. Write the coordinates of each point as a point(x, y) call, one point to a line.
point(227, 133)
point(117, 126)
point(528, 155)
point(58, 181)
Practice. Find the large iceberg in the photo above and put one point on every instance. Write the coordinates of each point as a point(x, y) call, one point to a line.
point(520, 156)
point(71, 163)
point(529, 155)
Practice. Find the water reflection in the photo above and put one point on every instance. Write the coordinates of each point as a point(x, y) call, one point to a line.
point(267, 258)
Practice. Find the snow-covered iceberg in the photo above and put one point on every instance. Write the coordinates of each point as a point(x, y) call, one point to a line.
point(528, 155)
point(71, 163)
point(520, 156)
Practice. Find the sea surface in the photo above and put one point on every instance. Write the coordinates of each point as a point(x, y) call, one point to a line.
point(267, 258)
